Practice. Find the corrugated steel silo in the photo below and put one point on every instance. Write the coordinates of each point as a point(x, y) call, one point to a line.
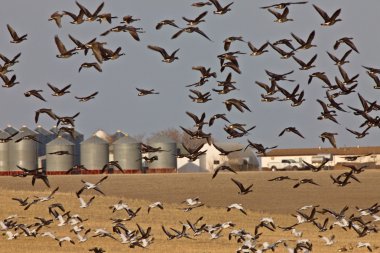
point(167, 160)
point(23, 153)
point(119, 134)
point(77, 141)
point(126, 151)
point(44, 136)
point(4, 151)
point(94, 153)
point(56, 162)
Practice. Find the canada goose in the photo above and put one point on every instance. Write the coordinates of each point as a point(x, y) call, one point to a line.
point(87, 98)
point(354, 169)
point(282, 5)
point(67, 120)
point(333, 103)
point(155, 204)
point(217, 116)
point(258, 51)
point(223, 167)
point(166, 22)
point(228, 41)
point(60, 152)
point(149, 159)
point(270, 90)
point(291, 129)
point(28, 137)
point(279, 77)
point(219, 9)
point(200, 97)
point(76, 168)
point(56, 16)
point(90, 16)
point(224, 152)
point(113, 164)
point(237, 103)
point(231, 64)
point(15, 37)
point(308, 65)
point(259, 147)
point(320, 75)
point(305, 44)
point(328, 20)
point(22, 202)
point(288, 95)
point(286, 42)
point(314, 168)
point(330, 137)
point(199, 121)
point(206, 73)
point(347, 41)
point(105, 17)
point(359, 135)
point(108, 54)
point(129, 19)
point(375, 78)
point(166, 57)
point(305, 181)
point(35, 93)
point(190, 29)
point(133, 31)
point(327, 114)
point(9, 62)
point(346, 78)
point(283, 53)
point(236, 206)
point(76, 19)
point(63, 52)
point(243, 190)
point(342, 60)
point(197, 20)
point(200, 4)
point(143, 92)
point(68, 130)
point(90, 65)
point(281, 17)
point(281, 178)
point(82, 46)
point(89, 186)
point(8, 83)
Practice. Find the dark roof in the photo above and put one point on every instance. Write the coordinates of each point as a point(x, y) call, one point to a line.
point(332, 151)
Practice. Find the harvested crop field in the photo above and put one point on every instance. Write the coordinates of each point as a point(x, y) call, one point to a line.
point(269, 199)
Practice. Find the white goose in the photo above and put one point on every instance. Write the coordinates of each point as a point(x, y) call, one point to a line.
point(236, 206)
point(329, 240)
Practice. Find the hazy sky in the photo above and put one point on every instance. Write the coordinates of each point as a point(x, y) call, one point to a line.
point(118, 107)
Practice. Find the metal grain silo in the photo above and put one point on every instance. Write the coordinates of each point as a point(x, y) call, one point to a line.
point(167, 161)
point(126, 150)
point(56, 162)
point(94, 153)
point(44, 136)
point(4, 151)
point(119, 134)
point(23, 153)
point(78, 138)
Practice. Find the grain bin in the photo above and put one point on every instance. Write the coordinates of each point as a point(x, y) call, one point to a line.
point(77, 141)
point(57, 162)
point(23, 153)
point(4, 159)
point(44, 136)
point(167, 161)
point(119, 134)
point(126, 150)
point(94, 153)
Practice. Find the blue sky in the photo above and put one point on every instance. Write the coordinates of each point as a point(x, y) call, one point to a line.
point(117, 105)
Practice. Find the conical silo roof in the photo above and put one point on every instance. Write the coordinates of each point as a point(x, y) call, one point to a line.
point(4, 135)
point(24, 130)
point(117, 135)
point(94, 140)
point(103, 135)
point(54, 129)
point(60, 141)
point(10, 130)
point(39, 129)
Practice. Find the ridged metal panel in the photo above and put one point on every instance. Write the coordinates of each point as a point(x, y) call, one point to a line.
point(44, 136)
point(23, 153)
point(94, 153)
point(10, 130)
point(59, 162)
point(126, 152)
point(119, 134)
point(166, 159)
point(4, 153)
point(77, 141)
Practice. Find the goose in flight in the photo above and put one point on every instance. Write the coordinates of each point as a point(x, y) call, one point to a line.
point(219, 9)
point(155, 204)
point(8, 83)
point(143, 92)
point(63, 52)
point(197, 20)
point(89, 186)
point(282, 5)
point(166, 22)
point(90, 65)
point(59, 92)
point(293, 130)
point(220, 168)
point(87, 98)
point(347, 41)
point(305, 181)
point(15, 37)
point(84, 204)
point(166, 57)
point(236, 206)
point(35, 93)
point(281, 17)
point(56, 17)
point(328, 20)
point(190, 29)
point(242, 190)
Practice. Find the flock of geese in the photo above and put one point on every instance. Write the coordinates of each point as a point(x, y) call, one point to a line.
point(363, 222)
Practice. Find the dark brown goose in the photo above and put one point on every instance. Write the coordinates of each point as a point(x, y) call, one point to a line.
point(90, 16)
point(167, 58)
point(8, 83)
point(14, 35)
point(283, 53)
point(197, 20)
point(9, 63)
point(59, 92)
point(305, 44)
point(205, 72)
point(190, 29)
point(49, 112)
point(220, 168)
point(330, 137)
point(237, 103)
point(281, 17)
point(143, 92)
point(347, 41)
point(200, 97)
point(257, 51)
point(279, 77)
point(327, 114)
point(200, 4)
point(129, 19)
point(242, 190)
point(219, 9)
point(63, 53)
point(328, 20)
point(87, 98)
point(77, 19)
point(228, 41)
point(105, 17)
point(308, 65)
point(217, 116)
point(166, 22)
point(342, 60)
point(35, 93)
point(282, 5)
point(56, 16)
point(87, 65)
point(293, 130)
